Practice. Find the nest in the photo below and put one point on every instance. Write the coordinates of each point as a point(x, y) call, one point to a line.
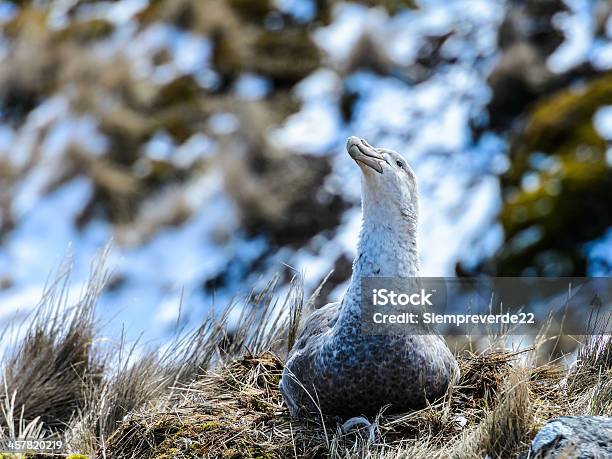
point(238, 411)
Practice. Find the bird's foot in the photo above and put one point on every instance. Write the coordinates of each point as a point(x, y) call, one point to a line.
point(360, 420)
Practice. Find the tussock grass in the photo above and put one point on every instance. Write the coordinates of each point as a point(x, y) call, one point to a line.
point(213, 392)
point(44, 374)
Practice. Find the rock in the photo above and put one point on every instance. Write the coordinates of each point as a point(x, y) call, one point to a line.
point(578, 437)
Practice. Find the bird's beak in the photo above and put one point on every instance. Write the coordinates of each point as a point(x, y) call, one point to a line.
point(361, 151)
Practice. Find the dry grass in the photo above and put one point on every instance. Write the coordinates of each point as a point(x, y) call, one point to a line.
point(45, 372)
point(237, 411)
point(214, 391)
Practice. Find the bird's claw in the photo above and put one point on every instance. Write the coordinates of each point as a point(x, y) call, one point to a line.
point(360, 420)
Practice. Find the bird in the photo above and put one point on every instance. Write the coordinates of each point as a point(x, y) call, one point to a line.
point(335, 367)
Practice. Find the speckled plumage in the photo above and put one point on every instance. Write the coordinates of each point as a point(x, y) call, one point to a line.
point(336, 367)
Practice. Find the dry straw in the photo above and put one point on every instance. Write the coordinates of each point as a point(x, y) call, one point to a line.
point(213, 392)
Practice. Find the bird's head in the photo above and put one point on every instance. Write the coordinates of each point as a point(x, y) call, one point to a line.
point(389, 187)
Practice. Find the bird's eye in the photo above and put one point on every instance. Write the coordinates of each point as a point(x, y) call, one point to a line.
point(400, 164)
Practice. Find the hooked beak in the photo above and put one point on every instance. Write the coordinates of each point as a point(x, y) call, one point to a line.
point(361, 151)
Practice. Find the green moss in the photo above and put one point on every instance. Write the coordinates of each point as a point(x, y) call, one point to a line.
point(77, 456)
point(261, 406)
point(258, 453)
point(561, 124)
point(170, 453)
point(265, 456)
point(554, 121)
point(186, 438)
point(570, 203)
point(275, 379)
point(210, 425)
point(573, 179)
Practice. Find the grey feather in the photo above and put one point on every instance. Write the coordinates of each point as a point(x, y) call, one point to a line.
point(335, 368)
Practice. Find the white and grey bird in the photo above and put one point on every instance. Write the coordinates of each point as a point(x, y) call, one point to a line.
point(334, 366)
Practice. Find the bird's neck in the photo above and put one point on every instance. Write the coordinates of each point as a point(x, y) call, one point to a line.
point(387, 248)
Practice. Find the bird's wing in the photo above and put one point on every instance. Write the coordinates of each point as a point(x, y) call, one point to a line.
point(317, 323)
